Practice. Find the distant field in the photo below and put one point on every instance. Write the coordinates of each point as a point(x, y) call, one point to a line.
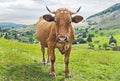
point(106, 33)
point(22, 62)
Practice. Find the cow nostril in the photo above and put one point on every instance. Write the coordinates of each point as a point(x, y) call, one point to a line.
point(65, 39)
point(58, 39)
point(62, 39)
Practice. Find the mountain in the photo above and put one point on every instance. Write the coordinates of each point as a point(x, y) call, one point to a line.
point(9, 24)
point(109, 18)
point(110, 9)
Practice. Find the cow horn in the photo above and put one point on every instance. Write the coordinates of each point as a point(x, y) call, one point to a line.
point(77, 10)
point(50, 10)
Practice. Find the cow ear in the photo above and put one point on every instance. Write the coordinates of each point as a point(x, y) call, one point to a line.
point(77, 19)
point(48, 17)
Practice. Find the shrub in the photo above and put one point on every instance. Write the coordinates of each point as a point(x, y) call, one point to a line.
point(81, 41)
point(91, 46)
point(99, 46)
point(105, 45)
point(117, 48)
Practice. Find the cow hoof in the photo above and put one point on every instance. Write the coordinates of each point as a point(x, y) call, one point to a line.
point(44, 63)
point(68, 76)
point(52, 74)
point(48, 64)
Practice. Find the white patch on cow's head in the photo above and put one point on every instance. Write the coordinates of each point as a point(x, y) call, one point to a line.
point(62, 11)
point(65, 11)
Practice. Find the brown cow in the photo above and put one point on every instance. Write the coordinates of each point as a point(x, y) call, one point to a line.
point(57, 32)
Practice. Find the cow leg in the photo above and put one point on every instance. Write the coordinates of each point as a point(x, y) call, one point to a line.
point(43, 52)
point(66, 60)
point(52, 59)
point(52, 70)
point(48, 59)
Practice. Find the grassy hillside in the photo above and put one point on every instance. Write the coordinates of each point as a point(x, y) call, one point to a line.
point(105, 37)
point(22, 62)
point(106, 19)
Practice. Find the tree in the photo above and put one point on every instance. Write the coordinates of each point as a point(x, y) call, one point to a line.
point(101, 33)
point(6, 36)
point(100, 28)
point(31, 40)
point(0, 29)
point(89, 39)
point(0, 35)
point(112, 40)
point(16, 36)
point(84, 35)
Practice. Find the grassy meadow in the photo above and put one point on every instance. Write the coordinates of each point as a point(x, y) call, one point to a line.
point(22, 62)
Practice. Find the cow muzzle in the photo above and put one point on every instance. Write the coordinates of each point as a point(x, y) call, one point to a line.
point(61, 38)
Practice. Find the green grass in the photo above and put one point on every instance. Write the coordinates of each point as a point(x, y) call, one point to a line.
point(22, 62)
point(104, 38)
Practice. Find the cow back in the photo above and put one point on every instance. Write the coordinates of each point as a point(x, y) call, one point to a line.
point(44, 30)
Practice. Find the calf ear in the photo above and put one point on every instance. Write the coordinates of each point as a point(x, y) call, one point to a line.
point(77, 19)
point(48, 17)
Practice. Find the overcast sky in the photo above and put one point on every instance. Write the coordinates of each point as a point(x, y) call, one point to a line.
point(28, 11)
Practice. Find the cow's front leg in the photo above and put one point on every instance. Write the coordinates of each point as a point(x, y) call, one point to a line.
point(48, 59)
point(66, 59)
point(52, 59)
point(43, 52)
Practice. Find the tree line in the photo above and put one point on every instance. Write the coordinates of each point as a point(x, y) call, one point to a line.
point(10, 33)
